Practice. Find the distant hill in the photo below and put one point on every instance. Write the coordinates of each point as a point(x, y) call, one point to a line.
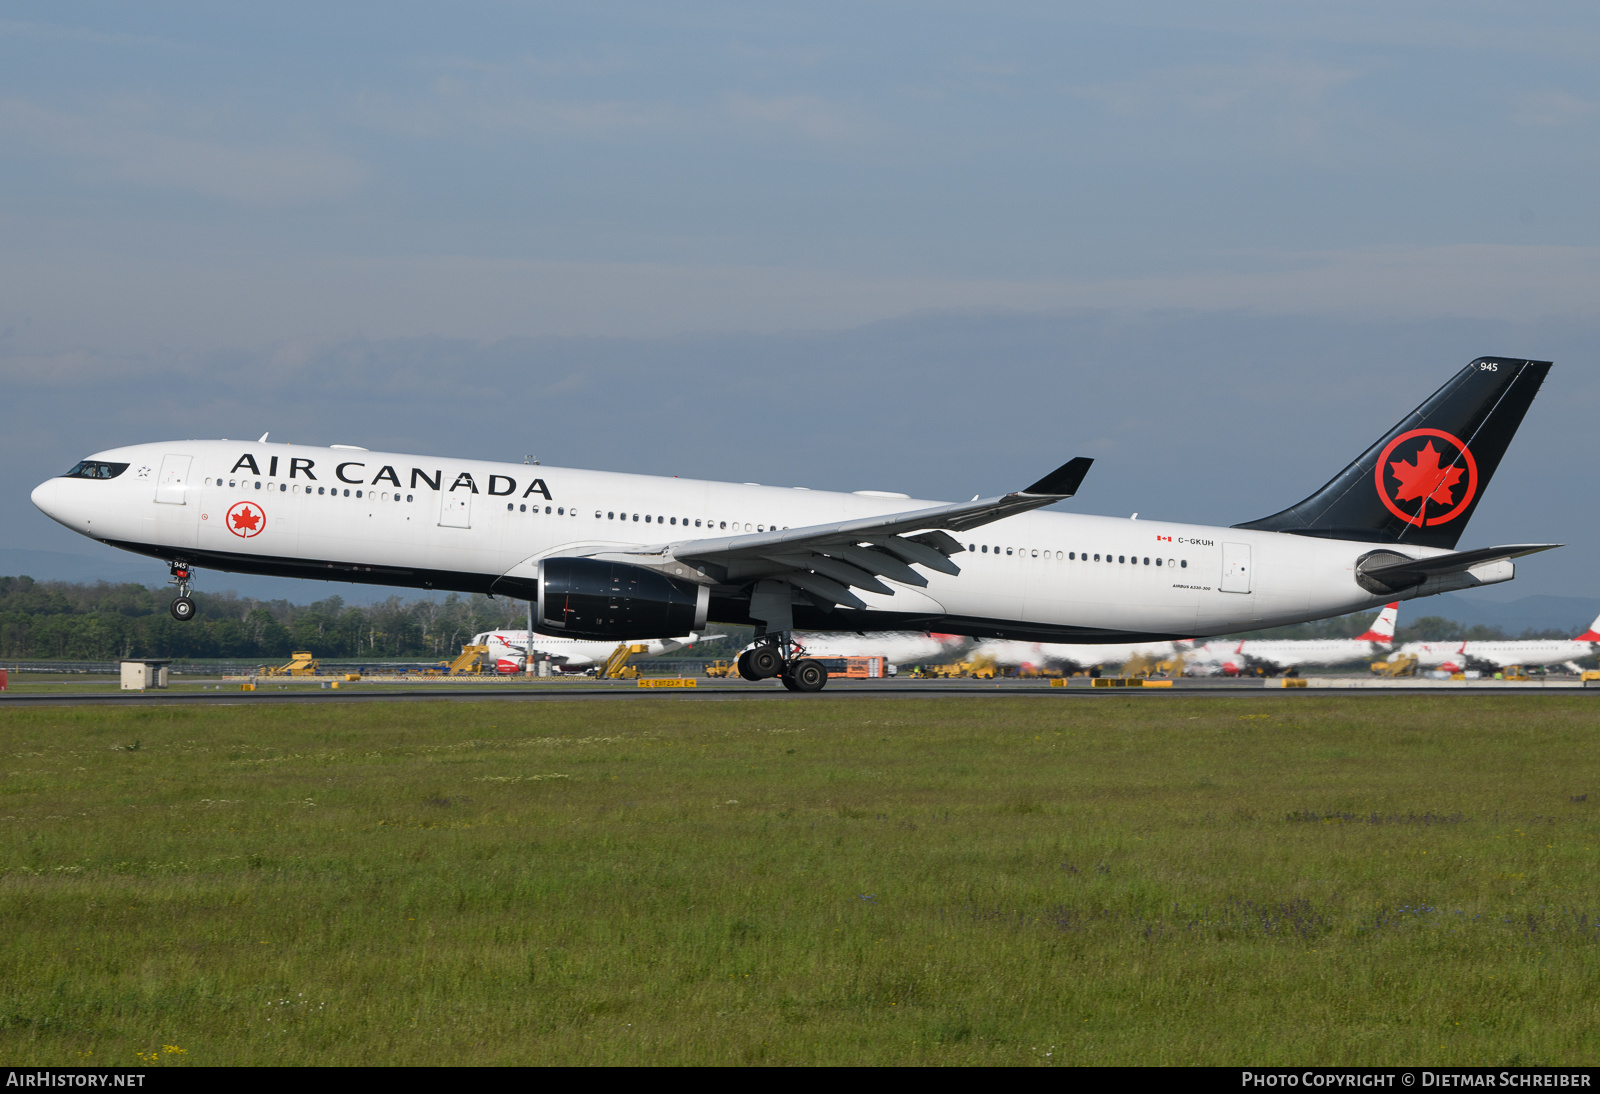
point(1568, 614)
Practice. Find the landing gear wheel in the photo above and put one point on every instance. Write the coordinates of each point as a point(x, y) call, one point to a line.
point(183, 609)
point(744, 667)
point(806, 675)
point(763, 661)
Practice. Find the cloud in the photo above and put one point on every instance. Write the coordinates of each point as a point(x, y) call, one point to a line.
point(806, 115)
point(56, 298)
point(1219, 89)
point(119, 143)
point(1551, 107)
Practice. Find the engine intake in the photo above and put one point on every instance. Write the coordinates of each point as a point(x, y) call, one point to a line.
point(590, 598)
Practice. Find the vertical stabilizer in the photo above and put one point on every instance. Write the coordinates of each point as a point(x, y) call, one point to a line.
point(1592, 634)
point(1420, 482)
point(1382, 629)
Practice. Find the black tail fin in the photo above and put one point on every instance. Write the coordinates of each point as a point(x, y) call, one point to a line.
point(1421, 482)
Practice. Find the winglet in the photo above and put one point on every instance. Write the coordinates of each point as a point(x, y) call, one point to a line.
point(1064, 481)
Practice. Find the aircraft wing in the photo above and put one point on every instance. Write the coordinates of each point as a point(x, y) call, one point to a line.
point(825, 561)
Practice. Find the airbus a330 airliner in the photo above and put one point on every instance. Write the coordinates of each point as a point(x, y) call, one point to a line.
point(618, 556)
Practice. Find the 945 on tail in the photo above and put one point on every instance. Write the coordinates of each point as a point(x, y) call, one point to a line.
point(619, 556)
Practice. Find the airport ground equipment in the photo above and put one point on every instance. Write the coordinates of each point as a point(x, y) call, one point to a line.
point(301, 663)
point(855, 668)
point(469, 663)
point(617, 667)
point(979, 668)
point(719, 668)
point(1404, 665)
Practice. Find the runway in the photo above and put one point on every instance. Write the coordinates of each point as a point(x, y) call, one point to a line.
point(723, 691)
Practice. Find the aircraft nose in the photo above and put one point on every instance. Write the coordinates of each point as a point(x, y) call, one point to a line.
point(44, 497)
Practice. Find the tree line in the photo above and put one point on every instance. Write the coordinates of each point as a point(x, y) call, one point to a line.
point(57, 620)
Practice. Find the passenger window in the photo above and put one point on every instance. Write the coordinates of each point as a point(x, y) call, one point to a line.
point(1072, 555)
point(1036, 554)
point(636, 518)
point(697, 524)
point(1097, 558)
point(724, 524)
point(646, 518)
point(319, 489)
point(1184, 564)
point(611, 516)
point(258, 486)
point(283, 488)
point(1147, 562)
point(1158, 562)
point(674, 520)
point(985, 548)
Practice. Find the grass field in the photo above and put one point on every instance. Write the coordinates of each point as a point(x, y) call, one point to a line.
point(1043, 879)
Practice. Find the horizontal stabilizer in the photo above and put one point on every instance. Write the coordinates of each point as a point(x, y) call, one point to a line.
point(1387, 570)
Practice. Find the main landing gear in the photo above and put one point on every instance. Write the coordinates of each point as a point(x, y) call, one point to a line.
point(779, 655)
point(183, 608)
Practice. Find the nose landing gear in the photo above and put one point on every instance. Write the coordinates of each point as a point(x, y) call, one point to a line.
point(779, 655)
point(182, 608)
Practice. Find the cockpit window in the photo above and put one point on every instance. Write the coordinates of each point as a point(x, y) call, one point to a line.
point(94, 469)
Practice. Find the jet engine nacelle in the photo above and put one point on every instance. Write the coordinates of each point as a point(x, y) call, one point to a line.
point(591, 598)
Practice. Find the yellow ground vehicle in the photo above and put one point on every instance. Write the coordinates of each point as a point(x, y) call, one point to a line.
point(1405, 665)
point(301, 663)
point(979, 668)
point(720, 668)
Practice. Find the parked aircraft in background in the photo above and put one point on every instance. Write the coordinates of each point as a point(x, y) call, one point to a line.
point(1060, 657)
point(1276, 655)
point(896, 647)
point(1493, 655)
point(508, 648)
point(616, 557)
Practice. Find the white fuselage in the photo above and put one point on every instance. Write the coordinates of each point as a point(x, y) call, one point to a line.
point(429, 522)
point(897, 649)
point(1293, 652)
point(1056, 655)
point(1457, 656)
point(508, 648)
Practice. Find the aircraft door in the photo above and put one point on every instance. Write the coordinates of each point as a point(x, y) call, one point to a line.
point(172, 485)
point(455, 509)
point(1235, 568)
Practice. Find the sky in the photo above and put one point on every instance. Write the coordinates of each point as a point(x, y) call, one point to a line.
point(937, 248)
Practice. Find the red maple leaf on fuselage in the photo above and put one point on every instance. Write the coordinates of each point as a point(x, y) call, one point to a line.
point(247, 519)
point(1425, 478)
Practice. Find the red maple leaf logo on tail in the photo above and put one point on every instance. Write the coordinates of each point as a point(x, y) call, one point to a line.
point(247, 519)
point(1425, 478)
